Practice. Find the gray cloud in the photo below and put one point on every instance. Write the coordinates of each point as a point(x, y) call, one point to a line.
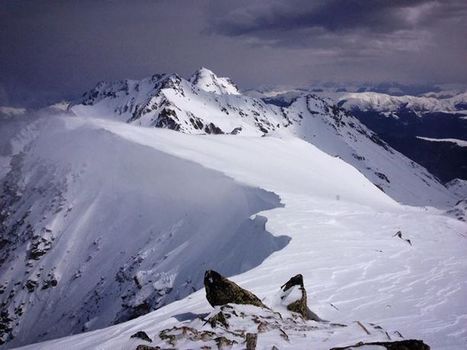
point(58, 49)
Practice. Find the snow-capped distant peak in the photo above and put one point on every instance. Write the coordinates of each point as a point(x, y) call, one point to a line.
point(374, 101)
point(206, 80)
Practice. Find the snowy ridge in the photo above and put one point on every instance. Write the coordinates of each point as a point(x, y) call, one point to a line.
point(458, 187)
point(103, 220)
point(343, 240)
point(365, 101)
point(460, 143)
point(79, 235)
point(169, 101)
point(206, 80)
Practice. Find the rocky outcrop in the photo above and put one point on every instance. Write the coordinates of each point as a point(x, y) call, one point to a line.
point(240, 320)
point(294, 297)
point(299, 305)
point(221, 291)
point(142, 335)
point(251, 327)
point(411, 344)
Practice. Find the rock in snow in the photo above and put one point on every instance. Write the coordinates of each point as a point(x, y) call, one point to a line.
point(221, 291)
point(294, 296)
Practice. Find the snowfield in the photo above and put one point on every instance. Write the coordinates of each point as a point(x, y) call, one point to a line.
point(341, 228)
point(114, 206)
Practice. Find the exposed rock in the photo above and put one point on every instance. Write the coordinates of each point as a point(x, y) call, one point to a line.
point(299, 305)
point(297, 302)
point(218, 318)
point(410, 344)
point(31, 285)
point(224, 342)
point(146, 347)
point(459, 211)
point(186, 333)
point(221, 291)
point(278, 330)
point(213, 129)
point(251, 339)
point(141, 335)
point(51, 282)
point(399, 235)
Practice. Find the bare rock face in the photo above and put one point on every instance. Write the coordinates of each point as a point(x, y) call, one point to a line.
point(222, 291)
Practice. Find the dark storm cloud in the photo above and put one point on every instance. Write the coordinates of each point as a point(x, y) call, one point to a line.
point(58, 49)
point(331, 15)
point(377, 39)
point(283, 22)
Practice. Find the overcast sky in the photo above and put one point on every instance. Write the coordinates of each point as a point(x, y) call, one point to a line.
point(58, 49)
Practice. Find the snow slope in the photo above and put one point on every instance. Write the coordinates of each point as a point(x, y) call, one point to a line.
point(104, 217)
point(96, 230)
point(338, 133)
point(191, 106)
point(343, 241)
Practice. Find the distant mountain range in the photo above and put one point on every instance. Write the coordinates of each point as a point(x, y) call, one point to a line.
point(410, 124)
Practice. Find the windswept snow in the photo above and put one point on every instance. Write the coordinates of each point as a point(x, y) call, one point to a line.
point(172, 102)
point(343, 241)
point(97, 229)
point(105, 218)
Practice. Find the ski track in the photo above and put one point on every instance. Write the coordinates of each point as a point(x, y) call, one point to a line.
point(347, 253)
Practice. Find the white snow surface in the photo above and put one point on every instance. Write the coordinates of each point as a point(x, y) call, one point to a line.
point(341, 228)
point(461, 143)
point(117, 226)
point(207, 80)
point(169, 101)
point(105, 217)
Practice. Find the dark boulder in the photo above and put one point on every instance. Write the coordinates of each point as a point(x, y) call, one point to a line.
point(141, 335)
point(221, 291)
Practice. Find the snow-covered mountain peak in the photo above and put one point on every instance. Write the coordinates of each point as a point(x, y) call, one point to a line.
point(172, 102)
point(207, 80)
point(103, 220)
point(374, 101)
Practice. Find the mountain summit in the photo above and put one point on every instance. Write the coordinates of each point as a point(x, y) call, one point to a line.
point(208, 81)
point(117, 207)
point(207, 104)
